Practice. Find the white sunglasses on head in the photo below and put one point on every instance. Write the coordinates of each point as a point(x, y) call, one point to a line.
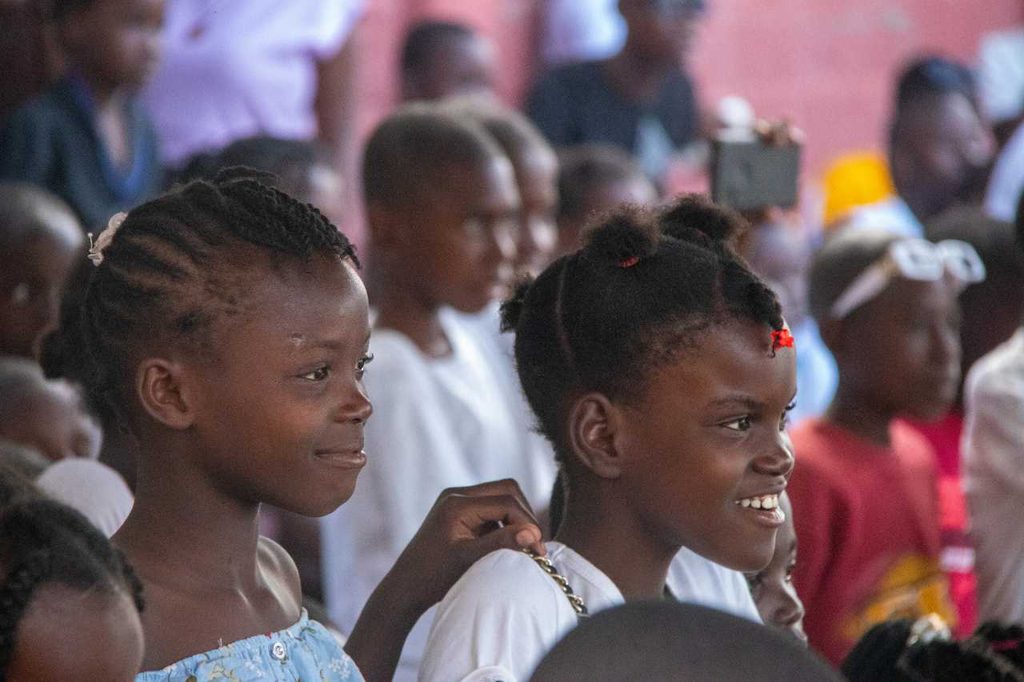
point(916, 259)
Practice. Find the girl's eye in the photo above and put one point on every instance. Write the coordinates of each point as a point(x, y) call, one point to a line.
point(742, 424)
point(318, 374)
point(361, 365)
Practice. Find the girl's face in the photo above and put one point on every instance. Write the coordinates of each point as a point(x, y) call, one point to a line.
point(705, 449)
point(772, 588)
point(537, 176)
point(280, 409)
point(67, 634)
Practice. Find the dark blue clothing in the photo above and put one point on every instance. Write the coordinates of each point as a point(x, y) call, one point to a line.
point(576, 104)
point(51, 141)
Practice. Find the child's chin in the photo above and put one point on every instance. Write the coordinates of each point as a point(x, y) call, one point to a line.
point(323, 507)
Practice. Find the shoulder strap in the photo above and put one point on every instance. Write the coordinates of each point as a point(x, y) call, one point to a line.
point(563, 584)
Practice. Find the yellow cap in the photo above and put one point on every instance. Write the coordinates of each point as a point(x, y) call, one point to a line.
point(853, 180)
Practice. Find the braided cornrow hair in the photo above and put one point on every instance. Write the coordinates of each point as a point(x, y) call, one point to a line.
point(603, 318)
point(42, 542)
point(179, 262)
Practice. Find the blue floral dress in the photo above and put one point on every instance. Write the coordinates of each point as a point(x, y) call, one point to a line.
point(305, 652)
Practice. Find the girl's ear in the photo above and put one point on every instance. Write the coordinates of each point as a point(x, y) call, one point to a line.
point(594, 423)
point(161, 388)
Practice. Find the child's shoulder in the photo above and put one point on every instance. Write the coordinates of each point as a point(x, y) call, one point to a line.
point(278, 566)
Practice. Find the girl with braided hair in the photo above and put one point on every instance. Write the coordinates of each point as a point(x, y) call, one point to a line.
point(62, 582)
point(227, 328)
point(661, 370)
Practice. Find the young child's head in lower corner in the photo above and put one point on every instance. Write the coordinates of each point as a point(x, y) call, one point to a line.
point(536, 170)
point(594, 179)
point(70, 602)
point(662, 371)
point(887, 309)
point(40, 238)
point(673, 642)
point(49, 416)
point(227, 329)
point(442, 205)
point(110, 43)
point(772, 586)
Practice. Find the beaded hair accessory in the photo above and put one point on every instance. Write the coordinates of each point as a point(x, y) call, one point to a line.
point(781, 338)
point(628, 262)
point(575, 600)
point(105, 237)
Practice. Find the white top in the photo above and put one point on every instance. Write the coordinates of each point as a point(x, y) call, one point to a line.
point(892, 215)
point(232, 69)
point(437, 423)
point(505, 613)
point(581, 30)
point(92, 489)
point(1006, 183)
point(993, 460)
point(1001, 74)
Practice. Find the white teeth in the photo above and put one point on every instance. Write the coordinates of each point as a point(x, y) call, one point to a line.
point(762, 502)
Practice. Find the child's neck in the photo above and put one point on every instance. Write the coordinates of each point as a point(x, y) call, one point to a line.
point(408, 314)
point(609, 536)
point(859, 415)
point(177, 509)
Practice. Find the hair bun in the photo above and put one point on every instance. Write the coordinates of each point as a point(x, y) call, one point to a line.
point(623, 240)
point(694, 218)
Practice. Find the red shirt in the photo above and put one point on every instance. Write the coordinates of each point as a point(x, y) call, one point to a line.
point(866, 519)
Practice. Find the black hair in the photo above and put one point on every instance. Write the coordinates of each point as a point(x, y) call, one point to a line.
point(515, 133)
point(885, 654)
point(1018, 223)
point(922, 83)
point(27, 211)
point(405, 154)
point(288, 161)
point(181, 261)
point(587, 168)
point(844, 256)
point(603, 319)
point(59, 10)
point(43, 542)
point(425, 38)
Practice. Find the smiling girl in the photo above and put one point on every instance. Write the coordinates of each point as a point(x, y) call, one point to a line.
point(661, 370)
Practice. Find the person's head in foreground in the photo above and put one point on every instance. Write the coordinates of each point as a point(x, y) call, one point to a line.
point(660, 368)
point(70, 602)
point(672, 642)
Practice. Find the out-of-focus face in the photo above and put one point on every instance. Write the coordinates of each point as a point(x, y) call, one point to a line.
point(662, 30)
point(464, 66)
point(946, 152)
point(53, 420)
point(118, 42)
point(772, 587)
point(32, 279)
point(536, 178)
point(901, 351)
point(99, 636)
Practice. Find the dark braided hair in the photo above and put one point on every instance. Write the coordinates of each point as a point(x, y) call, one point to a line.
point(42, 542)
point(181, 261)
point(646, 283)
point(886, 653)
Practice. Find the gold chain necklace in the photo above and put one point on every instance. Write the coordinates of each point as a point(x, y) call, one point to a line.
point(563, 584)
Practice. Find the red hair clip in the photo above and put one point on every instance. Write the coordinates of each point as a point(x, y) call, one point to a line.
point(629, 262)
point(781, 338)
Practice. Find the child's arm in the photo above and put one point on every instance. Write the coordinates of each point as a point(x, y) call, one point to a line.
point(464, 525)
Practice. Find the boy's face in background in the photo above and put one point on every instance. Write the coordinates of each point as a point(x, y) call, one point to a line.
point(53, 421)
point(536, 176)
point(116, 42)
point(463, 66)
point(31, 281)
point(901, 350)
point(459, 236)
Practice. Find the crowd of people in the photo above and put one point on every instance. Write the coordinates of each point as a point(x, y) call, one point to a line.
point(555, 421)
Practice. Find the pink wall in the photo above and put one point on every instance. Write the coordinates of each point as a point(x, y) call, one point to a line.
point(826, 64)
